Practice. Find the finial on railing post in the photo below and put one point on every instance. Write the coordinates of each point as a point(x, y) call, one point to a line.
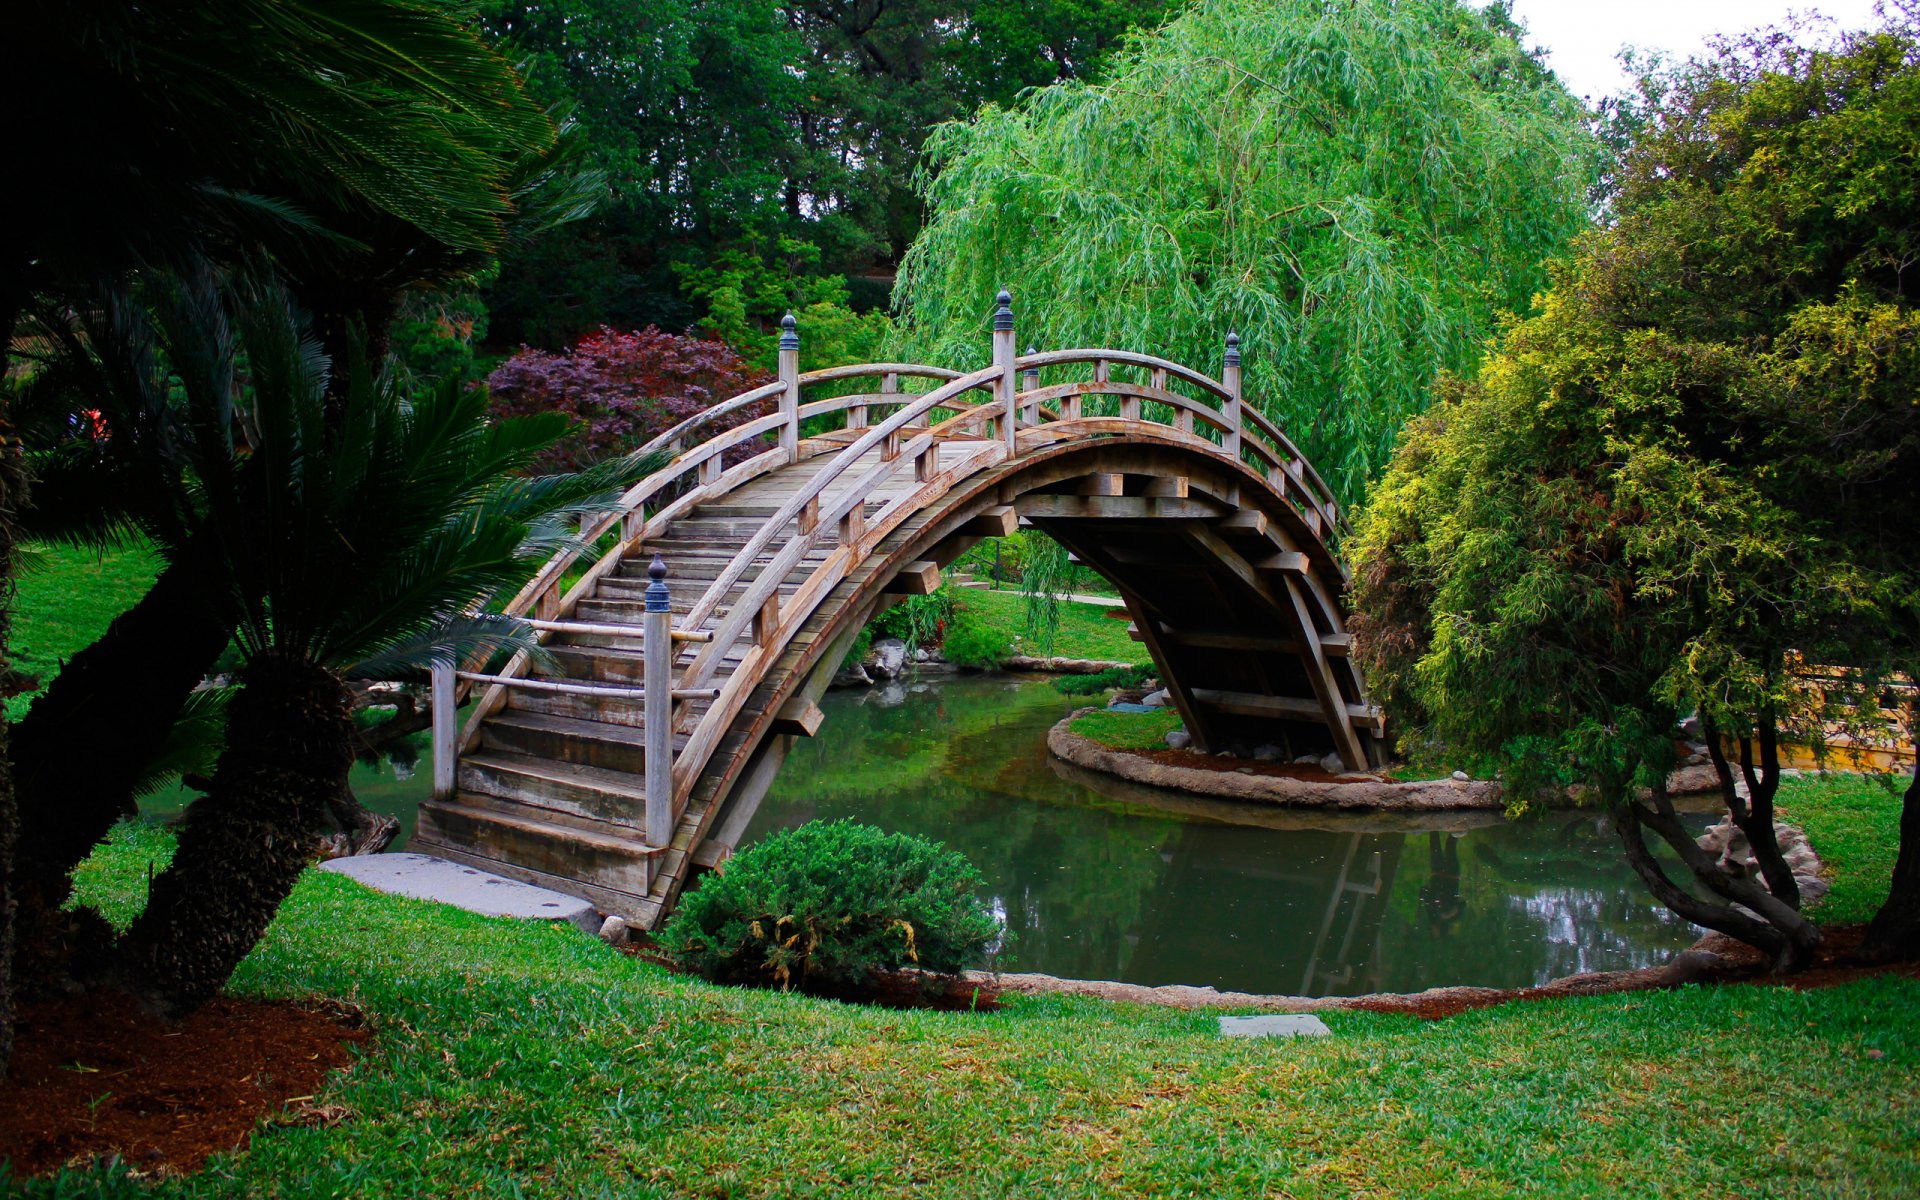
point(657, 689)
point(1003, 358)
point(1230, 380)
point(790, 387)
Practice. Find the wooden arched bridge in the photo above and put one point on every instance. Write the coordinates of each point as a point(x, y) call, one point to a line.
point(640, 745)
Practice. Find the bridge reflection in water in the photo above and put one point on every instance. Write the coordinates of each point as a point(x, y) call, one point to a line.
point(1102, 879)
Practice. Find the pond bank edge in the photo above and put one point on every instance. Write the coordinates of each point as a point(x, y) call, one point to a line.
point(1355, 791)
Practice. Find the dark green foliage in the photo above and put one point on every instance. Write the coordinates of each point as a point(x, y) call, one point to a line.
point(1100, 681)
point(761, 153)
point(824, 906)
point(1694, 472)
point(917, 620)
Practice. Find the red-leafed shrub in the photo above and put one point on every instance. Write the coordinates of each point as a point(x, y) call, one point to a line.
point(623, 389)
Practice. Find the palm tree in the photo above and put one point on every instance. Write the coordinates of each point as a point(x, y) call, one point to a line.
point(365, 147)
point(355, 536)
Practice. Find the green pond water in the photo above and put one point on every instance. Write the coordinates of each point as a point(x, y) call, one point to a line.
point(1098, 879)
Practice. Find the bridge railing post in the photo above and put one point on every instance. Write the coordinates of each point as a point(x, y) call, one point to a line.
point(657, 685)
point(789, 388)
point(1030, 381)
point(1003, 358)
point(1230, 379)
point(442, 714)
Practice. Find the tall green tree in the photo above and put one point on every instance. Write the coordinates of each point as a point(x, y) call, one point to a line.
point(1689, 480)
point(1357, 189)
point(787, 132)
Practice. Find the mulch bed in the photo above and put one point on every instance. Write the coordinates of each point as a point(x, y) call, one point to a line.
point(1724, 961)
point(96, 1075)
point(885, 989)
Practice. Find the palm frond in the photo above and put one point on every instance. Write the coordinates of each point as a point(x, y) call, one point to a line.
point(192, 746)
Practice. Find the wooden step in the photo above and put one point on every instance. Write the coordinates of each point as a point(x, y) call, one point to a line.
point(608, 710)
point(570, 740)
point(523, 844)
point(612, 661)
point(593, 793)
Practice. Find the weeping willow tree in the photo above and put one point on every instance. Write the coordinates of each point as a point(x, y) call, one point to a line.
point(1359, 187)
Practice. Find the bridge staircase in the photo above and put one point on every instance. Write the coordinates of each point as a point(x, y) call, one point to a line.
point(676, 668)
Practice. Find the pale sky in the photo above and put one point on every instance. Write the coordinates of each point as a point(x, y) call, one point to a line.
point(1582, 37)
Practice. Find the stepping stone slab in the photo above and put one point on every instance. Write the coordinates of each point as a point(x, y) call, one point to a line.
point(1126, 707)
point(424, 877)
point(1287, 1025)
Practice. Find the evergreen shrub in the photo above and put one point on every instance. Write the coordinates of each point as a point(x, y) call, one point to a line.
point(824, 906)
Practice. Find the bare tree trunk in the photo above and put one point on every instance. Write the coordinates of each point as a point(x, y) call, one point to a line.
point(1894, 933)
point(1754, 816)
point(1769, 925)
point(242, 846)
point(85, 741)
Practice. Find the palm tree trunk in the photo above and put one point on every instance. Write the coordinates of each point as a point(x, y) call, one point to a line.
point(242, 846)
point(85, 741)
point(1894, 934)
point(13, 479)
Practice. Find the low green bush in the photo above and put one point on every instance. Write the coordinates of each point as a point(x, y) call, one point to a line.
point(822, 907)
point(1100, 681)
point(971, 642)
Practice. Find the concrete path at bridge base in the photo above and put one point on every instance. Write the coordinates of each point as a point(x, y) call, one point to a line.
point(424, 877)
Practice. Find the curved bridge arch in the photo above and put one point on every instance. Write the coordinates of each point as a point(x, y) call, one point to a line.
point(612, 772)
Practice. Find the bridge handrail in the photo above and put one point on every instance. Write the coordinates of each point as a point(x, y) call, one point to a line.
point(1324, 494)
point(1129, 358)
point(792, 509)
point(549, 576)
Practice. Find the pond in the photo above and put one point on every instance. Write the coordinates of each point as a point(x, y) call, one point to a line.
point(1098, 879)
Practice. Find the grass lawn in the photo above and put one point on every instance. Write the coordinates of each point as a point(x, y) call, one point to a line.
point(66, 600)
point(513, 1059)
point(1085, 630)
point(1128, 731)
point(1853, 822)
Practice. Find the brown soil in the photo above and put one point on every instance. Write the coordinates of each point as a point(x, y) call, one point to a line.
point(96, 1075)
point(1716, 959)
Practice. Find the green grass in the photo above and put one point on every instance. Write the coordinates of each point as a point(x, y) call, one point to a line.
point(1128, 731)
point(514, 1059)
point(1854, 824)
point(66, 599)
point(1085, 630)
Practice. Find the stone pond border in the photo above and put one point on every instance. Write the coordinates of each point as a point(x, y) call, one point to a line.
point(1352, 791)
